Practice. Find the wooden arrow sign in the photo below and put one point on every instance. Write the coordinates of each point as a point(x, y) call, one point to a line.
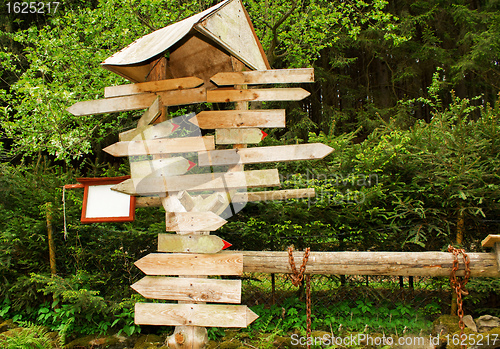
point(264, 154)
point(139, 101)
point(165, 167)
point(161, 130)
point(191, 264)
point(152, 86)
point(189, 289)
point(239, 136)
point(193, 221)
point(257, 77)
point(205, 315)
point(200, 182)
point(239, 118)
point(244, 197)
point(270, 94)
point(271, 195)
point(191, 243)
point(161, 146)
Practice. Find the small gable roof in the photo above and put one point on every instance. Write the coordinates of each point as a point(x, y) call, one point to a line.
point(227, 25)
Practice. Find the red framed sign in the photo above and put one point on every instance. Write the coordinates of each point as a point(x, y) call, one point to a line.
point(101, 204)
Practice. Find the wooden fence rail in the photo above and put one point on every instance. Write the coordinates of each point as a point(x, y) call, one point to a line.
point(370, 263)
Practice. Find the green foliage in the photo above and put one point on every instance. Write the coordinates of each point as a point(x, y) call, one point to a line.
point(29, 337)
point(358, 316)
point(484, 295)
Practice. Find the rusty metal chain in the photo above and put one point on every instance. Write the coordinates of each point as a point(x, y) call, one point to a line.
point(458, 285)
point(297, 277)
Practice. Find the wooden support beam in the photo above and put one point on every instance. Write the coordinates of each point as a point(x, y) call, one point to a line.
point(370, 263)
point(493, 241)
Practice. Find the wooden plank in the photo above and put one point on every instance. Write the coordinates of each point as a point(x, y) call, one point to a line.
point(193, 221)
point(189, 289)
point(493, 241)
point(257, 77)
point(191, 264)
point(200, 182)
point(206, 315)
point(152, 86)
point(191, 243)
point(150, 114)
point(270, 94)
point(239, 136)
point(161, 130)
point(490, 240)
point(239, 118)
point(272, 195)
point(264, 154)
point(149, 201)
point(370, 263)
point(165, 167)
point(136, 102)
point(161, 146)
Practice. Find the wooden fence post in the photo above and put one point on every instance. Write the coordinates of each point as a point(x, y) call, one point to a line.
point(52, 248)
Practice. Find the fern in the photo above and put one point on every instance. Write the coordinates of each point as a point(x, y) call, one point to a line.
point(29, 337)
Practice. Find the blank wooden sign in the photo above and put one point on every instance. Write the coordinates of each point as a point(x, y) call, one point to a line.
point(191, 264)
point(101, 204)
point(205, 315)
point(189, 289)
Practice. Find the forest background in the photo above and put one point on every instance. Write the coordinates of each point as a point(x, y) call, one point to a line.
point(406, 93)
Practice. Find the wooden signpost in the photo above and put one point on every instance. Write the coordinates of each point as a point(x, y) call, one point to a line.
point(194, 202)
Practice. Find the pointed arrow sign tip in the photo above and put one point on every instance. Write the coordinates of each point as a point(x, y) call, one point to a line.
point(226, 244)
point(191, 165)
point(264, 135)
